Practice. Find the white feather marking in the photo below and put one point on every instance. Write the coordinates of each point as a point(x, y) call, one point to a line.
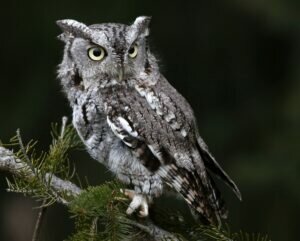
point(193, 191)
point(183, 160)
point(153, 101)
point(146, 186)
point(111, 125)
point(192, 194)
point(177, 184)
point(190, 197)
point(199, 210)
point(183, 132)
point(151, 98)
point(127, 143)
point(155, 152)
point(125, 125)
point(116, 130)
point(170, 116)
point(105, 107)
point(163, 171)
point(175, 125)
point(141, 90)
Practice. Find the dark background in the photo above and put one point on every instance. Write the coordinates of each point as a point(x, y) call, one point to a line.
point(236, 61)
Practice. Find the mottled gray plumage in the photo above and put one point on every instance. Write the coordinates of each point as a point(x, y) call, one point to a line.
point(132, 120)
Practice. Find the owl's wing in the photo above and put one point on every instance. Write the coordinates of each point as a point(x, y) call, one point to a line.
point(185, 180)
point(207, 157)
point(211, 163)
point(159, 133)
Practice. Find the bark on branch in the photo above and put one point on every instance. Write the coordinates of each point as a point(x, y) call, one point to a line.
point(11, 164)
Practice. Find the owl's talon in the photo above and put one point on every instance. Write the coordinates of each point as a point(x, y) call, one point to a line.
point(128, 193)
point(144, 210)
point(138, 201)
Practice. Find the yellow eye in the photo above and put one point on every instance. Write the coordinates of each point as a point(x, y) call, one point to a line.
point(132, 52)
point(96, 53)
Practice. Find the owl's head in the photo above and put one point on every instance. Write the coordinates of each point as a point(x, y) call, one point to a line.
point(109, 50)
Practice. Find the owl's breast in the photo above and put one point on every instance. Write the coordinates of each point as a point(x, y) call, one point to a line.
point(90, 123)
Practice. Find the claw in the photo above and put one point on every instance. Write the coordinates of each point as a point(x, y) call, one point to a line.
point(138, 201)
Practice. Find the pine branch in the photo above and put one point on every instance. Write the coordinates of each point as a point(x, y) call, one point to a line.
point(99, 211)
point(155, 232)
point(43, 209)
point(9, 163)
point(13, 165)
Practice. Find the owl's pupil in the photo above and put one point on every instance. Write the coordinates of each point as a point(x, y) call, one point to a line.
point(97, 52)
point(131, 50)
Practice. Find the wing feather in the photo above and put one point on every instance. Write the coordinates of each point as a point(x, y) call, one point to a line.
point(186, 182)
point(149, 121)
point(215, 167)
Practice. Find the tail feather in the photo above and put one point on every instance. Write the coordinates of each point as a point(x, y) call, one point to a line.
point(216, 169)
point(220, 203)
point(206, 202)
point(215, 202)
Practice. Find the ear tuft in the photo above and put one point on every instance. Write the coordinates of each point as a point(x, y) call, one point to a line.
point(141, 24)
point(74, 27)
point(142, 20)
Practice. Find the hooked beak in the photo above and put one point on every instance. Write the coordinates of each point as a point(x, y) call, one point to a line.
point(121, 72)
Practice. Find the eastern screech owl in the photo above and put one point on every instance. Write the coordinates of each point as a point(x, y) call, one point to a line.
point(132, 120)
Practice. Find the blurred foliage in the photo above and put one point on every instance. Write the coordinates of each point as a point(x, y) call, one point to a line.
point(237, 62)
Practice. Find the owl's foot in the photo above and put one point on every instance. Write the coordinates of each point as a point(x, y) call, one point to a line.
point(139, 201)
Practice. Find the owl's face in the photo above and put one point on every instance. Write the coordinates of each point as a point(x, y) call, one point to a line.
point(106, 51)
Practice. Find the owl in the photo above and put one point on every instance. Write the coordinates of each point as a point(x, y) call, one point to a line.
point(131, 119)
